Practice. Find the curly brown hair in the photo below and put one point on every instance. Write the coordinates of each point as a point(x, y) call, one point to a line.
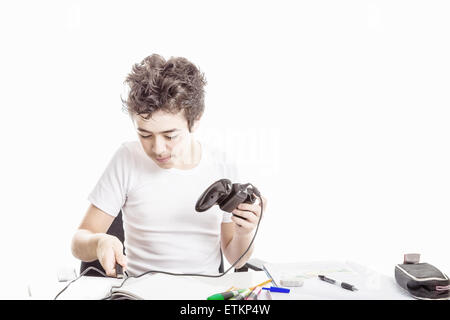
point(173, 85)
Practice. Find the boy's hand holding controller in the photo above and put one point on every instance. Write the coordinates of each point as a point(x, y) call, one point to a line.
point(246, 216)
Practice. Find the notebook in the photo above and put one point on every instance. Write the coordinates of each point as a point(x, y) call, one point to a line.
point(160, 286)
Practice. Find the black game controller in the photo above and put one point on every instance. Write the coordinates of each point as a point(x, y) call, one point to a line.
point(227, 195)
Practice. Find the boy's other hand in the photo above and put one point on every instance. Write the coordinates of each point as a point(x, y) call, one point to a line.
point(110, 251)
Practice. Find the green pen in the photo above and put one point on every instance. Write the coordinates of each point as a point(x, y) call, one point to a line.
point(225, 295)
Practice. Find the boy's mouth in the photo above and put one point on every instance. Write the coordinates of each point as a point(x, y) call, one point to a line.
point(165, 159)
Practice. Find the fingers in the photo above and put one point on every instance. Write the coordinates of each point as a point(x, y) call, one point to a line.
point(253, 208)
point(242, 223)
point(110, 254)
point(119, 258)
point(246, 220)
point(122, 260)
point(245, 215)
point(108, 262)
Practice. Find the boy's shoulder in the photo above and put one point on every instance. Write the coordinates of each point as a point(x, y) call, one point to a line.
point(131, 145)
point(128, 153)
point(132, 149)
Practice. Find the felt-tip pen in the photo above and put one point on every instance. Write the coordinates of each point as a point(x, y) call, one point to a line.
point(225, 295)
point(254, 294)
point(242, 295)
point(342, 284)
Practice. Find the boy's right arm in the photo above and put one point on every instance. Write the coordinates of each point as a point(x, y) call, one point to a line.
point(91, 242)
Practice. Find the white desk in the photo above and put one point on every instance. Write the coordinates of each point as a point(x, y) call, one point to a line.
point(165, 287)
point(371, 285)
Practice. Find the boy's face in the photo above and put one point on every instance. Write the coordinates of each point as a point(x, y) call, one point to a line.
point(165, 138)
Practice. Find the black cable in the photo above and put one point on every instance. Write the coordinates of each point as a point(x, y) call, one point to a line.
point(81, 274)
point(178, 274)
point(195, 274)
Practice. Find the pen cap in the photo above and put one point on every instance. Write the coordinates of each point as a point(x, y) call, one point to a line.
point(277, 289)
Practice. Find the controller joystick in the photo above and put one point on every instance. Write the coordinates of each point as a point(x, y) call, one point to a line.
point(227, 195)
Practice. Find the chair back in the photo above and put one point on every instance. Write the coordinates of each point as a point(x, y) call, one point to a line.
point(116, 229)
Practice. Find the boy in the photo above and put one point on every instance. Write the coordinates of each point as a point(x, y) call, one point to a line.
point(157, 180)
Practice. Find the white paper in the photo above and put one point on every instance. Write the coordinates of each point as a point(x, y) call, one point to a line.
point(169, 287)
point(370, 284)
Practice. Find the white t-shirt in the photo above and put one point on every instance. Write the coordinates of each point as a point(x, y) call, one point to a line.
point(162, 229)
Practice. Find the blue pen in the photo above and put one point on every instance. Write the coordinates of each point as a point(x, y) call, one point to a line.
point(277, 289)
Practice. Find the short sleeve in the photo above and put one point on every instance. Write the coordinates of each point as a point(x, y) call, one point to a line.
point(110, 192)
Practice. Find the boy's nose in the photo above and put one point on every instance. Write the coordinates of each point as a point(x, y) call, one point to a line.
point(159, 146)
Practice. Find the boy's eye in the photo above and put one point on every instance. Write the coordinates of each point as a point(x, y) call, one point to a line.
point(167, 137)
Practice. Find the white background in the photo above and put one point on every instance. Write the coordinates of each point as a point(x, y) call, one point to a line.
point(337, 110)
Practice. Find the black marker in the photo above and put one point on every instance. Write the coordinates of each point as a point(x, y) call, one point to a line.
point(119, 271)
point(342, 284)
